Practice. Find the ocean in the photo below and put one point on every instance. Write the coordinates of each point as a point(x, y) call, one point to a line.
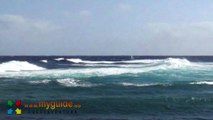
point(110, 87)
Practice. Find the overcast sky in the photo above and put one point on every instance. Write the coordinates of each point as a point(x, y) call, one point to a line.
point(106, 27)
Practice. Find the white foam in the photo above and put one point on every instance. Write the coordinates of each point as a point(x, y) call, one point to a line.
point(138, 85)
point(59, 59)
point(40, 82)
point(203, 82)
point(77, 60)
point(176, 62)
point(18, 66)
point(145, 61)
point(69, 82)
point(116, 69)
point(77, 72)
point(44, 61)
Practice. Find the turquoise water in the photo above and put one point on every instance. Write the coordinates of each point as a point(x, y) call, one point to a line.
point(113, 87)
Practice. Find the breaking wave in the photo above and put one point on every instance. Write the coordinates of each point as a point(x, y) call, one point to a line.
point(39, 81)
point(165, 65)
point(139, 84)
point(142, 61)
point(69, 82)
point(203, 82)
point(77, 60)
point(166, 84)
point(44, 61)
point(59, 59)
point(18, 66)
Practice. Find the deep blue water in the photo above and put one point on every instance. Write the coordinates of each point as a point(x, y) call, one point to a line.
point(112, 87)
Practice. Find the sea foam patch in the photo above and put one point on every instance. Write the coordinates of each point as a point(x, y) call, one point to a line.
point(39, 81)
point(70, 82)
point(139, 84)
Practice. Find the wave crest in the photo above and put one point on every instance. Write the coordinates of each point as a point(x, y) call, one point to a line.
point(40, 82)
point(59, 59)
point(18, 66)
point(69, 82)
point(203, 82)
point(176, 61)
point(139, 85)
point(108, 69)
point(44, 61)
point(77, 60)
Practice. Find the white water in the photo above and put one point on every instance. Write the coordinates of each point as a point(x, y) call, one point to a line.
point(44, 61)
point(203, 82)
point(22, 68)
point(18, 66)
point(139, 84)
point(59, 59)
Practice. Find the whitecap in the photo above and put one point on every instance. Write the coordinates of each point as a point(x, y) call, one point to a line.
point(70, 82)
point(18, 66)
point(117, 69)
point(138, 84)
point(169, 62)
point(40, 82)
point(77, 60)
point(44, 61)
point(203, 82)
point(59, 59)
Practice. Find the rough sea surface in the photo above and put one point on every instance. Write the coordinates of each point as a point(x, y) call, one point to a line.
point(111, 87)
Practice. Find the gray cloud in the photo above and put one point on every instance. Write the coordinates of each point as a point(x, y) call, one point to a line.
point(14, 23)
point(21, 35)
point(188, 38)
